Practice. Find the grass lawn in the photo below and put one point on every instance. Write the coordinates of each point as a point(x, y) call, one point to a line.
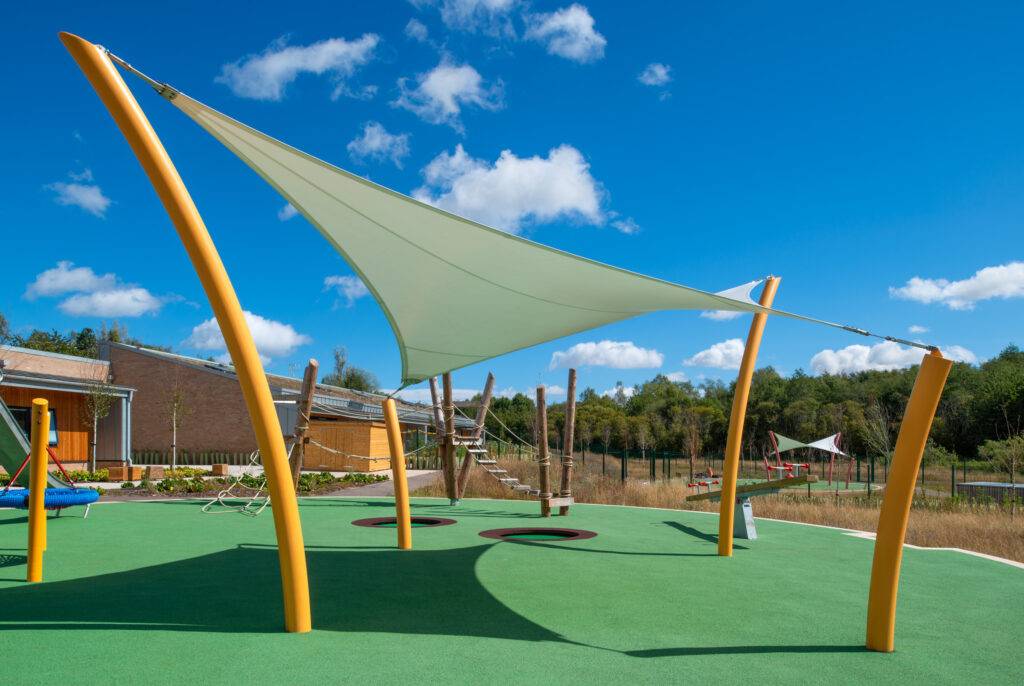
point(158, 592)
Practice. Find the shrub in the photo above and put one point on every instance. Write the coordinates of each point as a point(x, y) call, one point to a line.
point(84, 476)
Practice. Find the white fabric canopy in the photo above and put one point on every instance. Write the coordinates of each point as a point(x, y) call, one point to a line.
point(455, 292)
point(829, 444)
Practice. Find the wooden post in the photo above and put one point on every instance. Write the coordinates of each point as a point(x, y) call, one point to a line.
point(481, 417)
point(439, 432)
point(731, 462)
point(544, 461)
point(403, 522)
point(40, 436)
point(304, 406)
point(448, 463)
point(565, 489)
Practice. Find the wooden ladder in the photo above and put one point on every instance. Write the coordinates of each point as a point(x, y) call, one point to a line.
point(478, 451)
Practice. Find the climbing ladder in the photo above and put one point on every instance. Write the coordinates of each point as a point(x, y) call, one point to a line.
point(478, 451)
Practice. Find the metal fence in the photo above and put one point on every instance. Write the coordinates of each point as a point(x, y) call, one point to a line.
point(186, 458)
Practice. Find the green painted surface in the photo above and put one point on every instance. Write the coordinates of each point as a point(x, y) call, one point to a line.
point(159, 593)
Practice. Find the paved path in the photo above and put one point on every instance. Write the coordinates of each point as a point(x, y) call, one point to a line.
point(416, 479)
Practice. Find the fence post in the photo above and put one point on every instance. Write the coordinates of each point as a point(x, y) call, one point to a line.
point(623, 468)
point(952, 479)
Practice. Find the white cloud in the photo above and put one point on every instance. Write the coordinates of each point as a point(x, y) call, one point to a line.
point(349, 287)
point(1002, 281)
point(677, 377)
point(917, 328)
point(287, 212)
point(441, 93)
point(627, 226)
point(266, 75)
point(93, 294)
point(81, 192)
point(273, 339)
point(514, 191)
point(127, 301)
point(724, 355)
point(628, 391)
point(568, 32)
point(721, 315)
point(490, 17)
point(417, 30)
point(655, 74)
point(884, 356)
point(67, 278)
point(614, 354)
point(377, 144)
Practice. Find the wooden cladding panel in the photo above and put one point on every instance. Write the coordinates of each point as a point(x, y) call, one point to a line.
point(72, 434)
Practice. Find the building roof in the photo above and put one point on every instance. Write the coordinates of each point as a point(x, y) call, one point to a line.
point(29, 368)
point(327, 400)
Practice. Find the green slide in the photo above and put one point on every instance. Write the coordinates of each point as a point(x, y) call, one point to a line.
point(14, 446)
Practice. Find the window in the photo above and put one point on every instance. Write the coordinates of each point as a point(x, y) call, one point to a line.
point(23, 415)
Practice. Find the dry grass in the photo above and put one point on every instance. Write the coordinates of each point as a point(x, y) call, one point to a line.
point(934, 522)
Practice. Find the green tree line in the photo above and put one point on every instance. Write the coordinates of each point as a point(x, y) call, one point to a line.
point(981, 404)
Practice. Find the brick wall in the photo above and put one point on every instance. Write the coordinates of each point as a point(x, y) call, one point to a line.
point(216, 416)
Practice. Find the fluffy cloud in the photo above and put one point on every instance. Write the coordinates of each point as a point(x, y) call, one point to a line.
point(81, 192)
point(491, 17)
point(128, 301)
point(916, 328)
point(568, 32)
point(349, 287)
point(266, 75)
point(1003, 281)
point(377, 144)
point(627, 226)
point(440, 94)
point(93, 294)
point(884, 356)
point(721, 315)
point(67, 278)
point(627, 391)
point(655, 74)
point(417, 30)
point(273, 339)
point(287, 212)
point(614, 354)
point(724, 355)
point(513, 191)
point(677, 377)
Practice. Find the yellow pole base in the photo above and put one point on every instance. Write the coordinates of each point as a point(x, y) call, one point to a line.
point(899, 493)
point(403, 520)
point(37, 489)
point(734, 441)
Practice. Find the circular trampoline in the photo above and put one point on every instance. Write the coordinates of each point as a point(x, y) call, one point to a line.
point(532, 533)
point(391, 523)
point(54, 499)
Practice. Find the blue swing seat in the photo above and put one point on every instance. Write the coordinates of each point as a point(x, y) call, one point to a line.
point(55, 498)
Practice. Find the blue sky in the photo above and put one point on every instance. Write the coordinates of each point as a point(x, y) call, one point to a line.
point(869, 155)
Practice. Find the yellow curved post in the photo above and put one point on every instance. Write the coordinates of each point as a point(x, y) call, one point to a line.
point(37, 488)
point(899, 492)
point(402, 520)
point(119, 100)
point(734, 442)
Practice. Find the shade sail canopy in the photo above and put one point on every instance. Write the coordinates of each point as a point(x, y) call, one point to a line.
point(455, 292)
point(830, 444)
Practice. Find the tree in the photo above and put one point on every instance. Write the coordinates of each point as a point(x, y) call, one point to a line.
point(98, 401)
point(694, 425)
point(177, 405)
point(878, 432)
point(5, 329)
point(349, 376)
point(1007, 455)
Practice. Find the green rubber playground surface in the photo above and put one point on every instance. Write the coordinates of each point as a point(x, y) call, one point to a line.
point(161, 593)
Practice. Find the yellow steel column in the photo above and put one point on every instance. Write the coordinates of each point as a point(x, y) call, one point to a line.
point(734, 442)
point(899, 492)
point(37, 488)
point(119, 100)
point(402, 519)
